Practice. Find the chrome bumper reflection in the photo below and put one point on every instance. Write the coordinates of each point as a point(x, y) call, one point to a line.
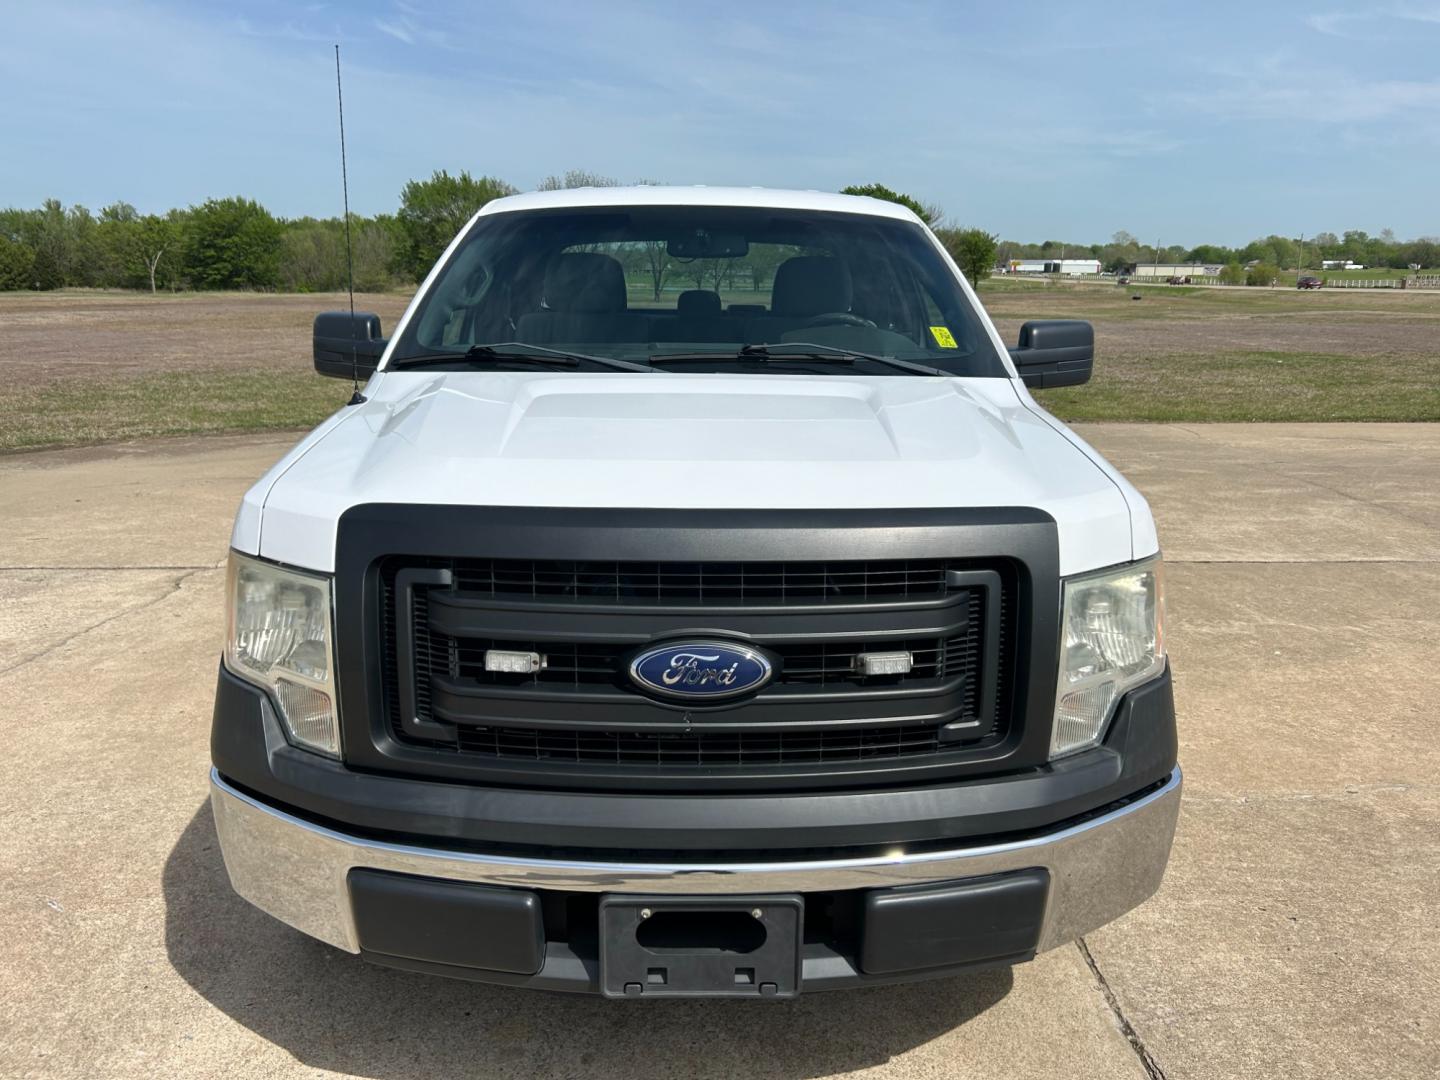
point(296, 870)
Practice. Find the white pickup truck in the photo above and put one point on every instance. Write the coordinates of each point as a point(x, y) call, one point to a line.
point(695, 603)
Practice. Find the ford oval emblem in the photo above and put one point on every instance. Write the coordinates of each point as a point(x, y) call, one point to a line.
point(700, 670)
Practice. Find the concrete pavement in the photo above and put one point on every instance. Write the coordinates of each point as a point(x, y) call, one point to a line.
point(1297, 934)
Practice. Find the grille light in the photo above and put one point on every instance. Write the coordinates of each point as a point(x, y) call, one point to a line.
point(1112, 638)
point(884, 663)
point(279, 637)
point(513, 663)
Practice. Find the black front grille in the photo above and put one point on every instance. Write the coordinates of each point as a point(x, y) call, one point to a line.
point(718, 749)
point(814, 663)
point(705, 583)
point(581, 714)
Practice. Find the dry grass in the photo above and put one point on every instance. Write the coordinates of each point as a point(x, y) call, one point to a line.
point(85, 367)
point(1209, 354)
point(82, 367)
point(80, 412)
point(92, 334)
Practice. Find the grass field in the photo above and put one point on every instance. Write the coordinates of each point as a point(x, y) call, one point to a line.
point(89, 367)
point(1209, 354)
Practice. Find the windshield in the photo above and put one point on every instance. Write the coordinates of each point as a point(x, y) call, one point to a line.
point(647, 283)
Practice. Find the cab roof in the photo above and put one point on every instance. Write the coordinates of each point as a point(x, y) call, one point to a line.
point(699, 195)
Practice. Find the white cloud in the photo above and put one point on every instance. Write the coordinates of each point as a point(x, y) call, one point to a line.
point(1346, 24)
point(410, 27)
point(398, 30)
point(1339, 100)
point(1336, 23)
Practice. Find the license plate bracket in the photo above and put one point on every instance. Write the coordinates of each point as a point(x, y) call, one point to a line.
point(702, 946)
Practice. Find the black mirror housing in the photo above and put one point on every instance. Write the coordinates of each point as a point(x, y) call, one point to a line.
point(702, 244)
point(1055, 352)
point(347, 344)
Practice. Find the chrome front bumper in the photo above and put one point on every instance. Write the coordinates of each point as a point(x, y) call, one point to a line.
point(296, 870)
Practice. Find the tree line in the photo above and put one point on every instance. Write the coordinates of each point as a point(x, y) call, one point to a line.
point(236, 243)
point(231, 243)
point(1281, 252)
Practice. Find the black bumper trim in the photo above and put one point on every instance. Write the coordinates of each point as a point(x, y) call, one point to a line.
point(821, 968)
point(487, 934)
point(250, 751)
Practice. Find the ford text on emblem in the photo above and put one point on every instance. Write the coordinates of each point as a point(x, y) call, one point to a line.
point(700, 670)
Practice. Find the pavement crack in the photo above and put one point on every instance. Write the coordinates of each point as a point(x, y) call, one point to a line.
point(208, 566)
point(1280, 467)
point(1348, 792)
point(1318, 561)
point(1147, 1060)
point(174, 588)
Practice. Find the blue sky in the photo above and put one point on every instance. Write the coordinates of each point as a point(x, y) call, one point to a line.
point(1216, 121)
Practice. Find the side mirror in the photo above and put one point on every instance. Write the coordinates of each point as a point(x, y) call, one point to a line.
point(346, 343)
point(1055, 352)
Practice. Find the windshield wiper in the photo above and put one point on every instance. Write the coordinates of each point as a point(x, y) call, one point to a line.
point(518, 352)
point(804, 352)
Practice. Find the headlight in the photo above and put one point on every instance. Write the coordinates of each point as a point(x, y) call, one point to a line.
point(278, 636)
point(1112, 638)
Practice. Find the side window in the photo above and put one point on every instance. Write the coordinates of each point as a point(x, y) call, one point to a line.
point(943, 329)
point(445, 321)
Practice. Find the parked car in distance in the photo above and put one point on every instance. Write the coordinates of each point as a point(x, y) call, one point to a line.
point(1309, 282)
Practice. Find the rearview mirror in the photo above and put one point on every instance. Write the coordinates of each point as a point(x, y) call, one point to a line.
point(1055, 352)
point(704, 244)
point(347, 344)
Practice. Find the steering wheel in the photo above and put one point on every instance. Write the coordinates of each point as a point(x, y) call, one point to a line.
point(838, 318)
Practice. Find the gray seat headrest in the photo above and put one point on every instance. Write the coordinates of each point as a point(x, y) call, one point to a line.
point(812, 285)
point(585, 281)
point(697, 302)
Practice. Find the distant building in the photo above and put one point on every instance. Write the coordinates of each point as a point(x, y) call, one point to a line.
point(1164, 271)
point(1072, 267)
point(1340, 264)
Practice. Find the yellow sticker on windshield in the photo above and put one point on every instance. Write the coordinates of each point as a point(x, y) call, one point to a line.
point(943, 337)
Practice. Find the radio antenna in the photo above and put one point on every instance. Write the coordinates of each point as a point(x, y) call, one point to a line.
point(356, 398)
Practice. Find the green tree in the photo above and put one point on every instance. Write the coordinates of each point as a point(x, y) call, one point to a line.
point(763, 261)
point(1261, 274)
point(931, 215)
point(131, 248)
point(114, 239)
point(1232, 274)
point(49, 239)
point(156, 246)
point(576, 178)
point(232, 244)
point(1121, 253)
point(17, 265)
point(433, 211)
point(657, 261)
point(1259, 251)
point(83, 261)
point(1287, 252)
point(374, 242)
point(973, 251)
point(312, 255)
point(1209, 253)
point(1355, 245)
point(1423, 253)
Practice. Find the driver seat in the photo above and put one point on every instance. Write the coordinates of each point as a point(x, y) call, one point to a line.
point(805, 286)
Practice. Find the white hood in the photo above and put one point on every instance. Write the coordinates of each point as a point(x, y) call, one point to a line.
point(684, 442)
